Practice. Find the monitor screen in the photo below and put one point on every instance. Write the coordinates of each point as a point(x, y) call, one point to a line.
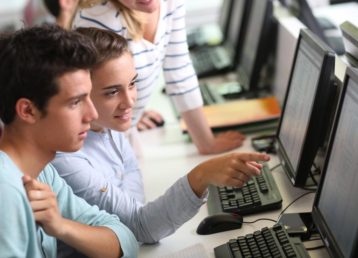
point(237, 28)
point(307, 98)
point(224, 17)
point(335, 211)
point(255, 44)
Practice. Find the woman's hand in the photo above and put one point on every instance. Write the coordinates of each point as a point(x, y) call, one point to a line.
point(149, 120)
point(233, 169)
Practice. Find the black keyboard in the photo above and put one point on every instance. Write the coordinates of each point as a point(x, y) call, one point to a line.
point(268, 242)
point(208, 61)
point(210, 97)
point(259, 194)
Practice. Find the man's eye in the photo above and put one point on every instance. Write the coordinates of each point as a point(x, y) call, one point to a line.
point(75, 102)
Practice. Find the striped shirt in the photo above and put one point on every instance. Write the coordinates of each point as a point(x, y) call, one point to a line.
point(168, 54)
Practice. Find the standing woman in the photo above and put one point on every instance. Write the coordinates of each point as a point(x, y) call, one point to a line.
point(155, 30)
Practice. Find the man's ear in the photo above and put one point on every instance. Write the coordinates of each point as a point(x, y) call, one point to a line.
point(26, 110)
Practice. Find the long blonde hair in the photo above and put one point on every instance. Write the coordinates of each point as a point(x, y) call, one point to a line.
point(134, 20)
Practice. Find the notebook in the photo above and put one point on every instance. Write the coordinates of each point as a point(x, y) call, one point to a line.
point(241, 114)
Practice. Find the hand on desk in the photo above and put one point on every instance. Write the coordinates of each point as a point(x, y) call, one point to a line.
point(149, 120)
point(227, 141)
point(233, 169)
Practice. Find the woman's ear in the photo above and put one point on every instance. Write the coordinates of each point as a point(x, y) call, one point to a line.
point(26, 110)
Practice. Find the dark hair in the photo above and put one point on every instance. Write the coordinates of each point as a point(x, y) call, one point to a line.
point(109, 45)
point(32, 60)
point(53, 6)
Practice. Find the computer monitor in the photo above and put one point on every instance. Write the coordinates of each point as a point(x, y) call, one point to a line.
point(225, 16)
point(335, 207)
point(302, 10)
point(256, 44)
point(236, 28)
point(203, 36)
point(303, 116)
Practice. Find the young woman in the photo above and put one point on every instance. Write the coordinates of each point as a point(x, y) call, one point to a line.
point(156, 33)
point(105, 171)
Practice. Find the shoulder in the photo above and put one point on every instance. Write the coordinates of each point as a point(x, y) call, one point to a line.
point(14, 206)
point(10, 175)
point(173, 5)
point(10, 193)
point(104, 16)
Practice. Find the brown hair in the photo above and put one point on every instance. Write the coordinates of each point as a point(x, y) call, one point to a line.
point(108, 44)
point(31, 61)
point(134, 20)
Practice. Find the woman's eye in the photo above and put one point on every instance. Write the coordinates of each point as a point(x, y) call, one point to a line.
point(132, 84)
point(111, 93)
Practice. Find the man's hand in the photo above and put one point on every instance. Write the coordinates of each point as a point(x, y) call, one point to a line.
point(150, 120)
point(44, 205)
point(233, 169)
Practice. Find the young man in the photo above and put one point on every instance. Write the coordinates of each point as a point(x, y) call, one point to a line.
point(45, 106)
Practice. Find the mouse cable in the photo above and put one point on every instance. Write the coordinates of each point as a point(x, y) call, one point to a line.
point(250, 222)
point(299, 197)
point(316, 170)
point(275, 167)
point(312, 176)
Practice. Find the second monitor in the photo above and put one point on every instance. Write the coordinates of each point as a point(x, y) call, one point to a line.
point(302, 120)
point(301, 129)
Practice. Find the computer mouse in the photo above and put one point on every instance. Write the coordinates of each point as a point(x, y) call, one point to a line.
point(219, 223)
point(158, 124)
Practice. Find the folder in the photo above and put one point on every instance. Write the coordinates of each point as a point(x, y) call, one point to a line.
point(247, 115)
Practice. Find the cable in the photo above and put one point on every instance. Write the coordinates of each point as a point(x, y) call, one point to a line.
point(313, 179)
point(250, 222)
point(317, 169)
point(309, 188)
point(314, 248)
point(275, 167)
point(299, 197)
point(312, 239)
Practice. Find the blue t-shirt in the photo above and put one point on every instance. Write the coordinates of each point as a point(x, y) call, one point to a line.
point(19, 234)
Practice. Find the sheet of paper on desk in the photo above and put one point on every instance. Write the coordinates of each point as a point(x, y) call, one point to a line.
point(194, 251)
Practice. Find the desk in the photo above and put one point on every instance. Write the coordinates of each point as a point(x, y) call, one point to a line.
point(166, 156)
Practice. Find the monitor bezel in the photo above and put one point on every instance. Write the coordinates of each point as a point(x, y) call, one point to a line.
point(321, 225)
point(314, 130)
point(225, 17)
point(250, 82)
point(239, 42)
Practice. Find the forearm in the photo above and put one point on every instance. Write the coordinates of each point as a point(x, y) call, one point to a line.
point(199, 130)
point(197, 180)
point(90, 240)
point(163, 216)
